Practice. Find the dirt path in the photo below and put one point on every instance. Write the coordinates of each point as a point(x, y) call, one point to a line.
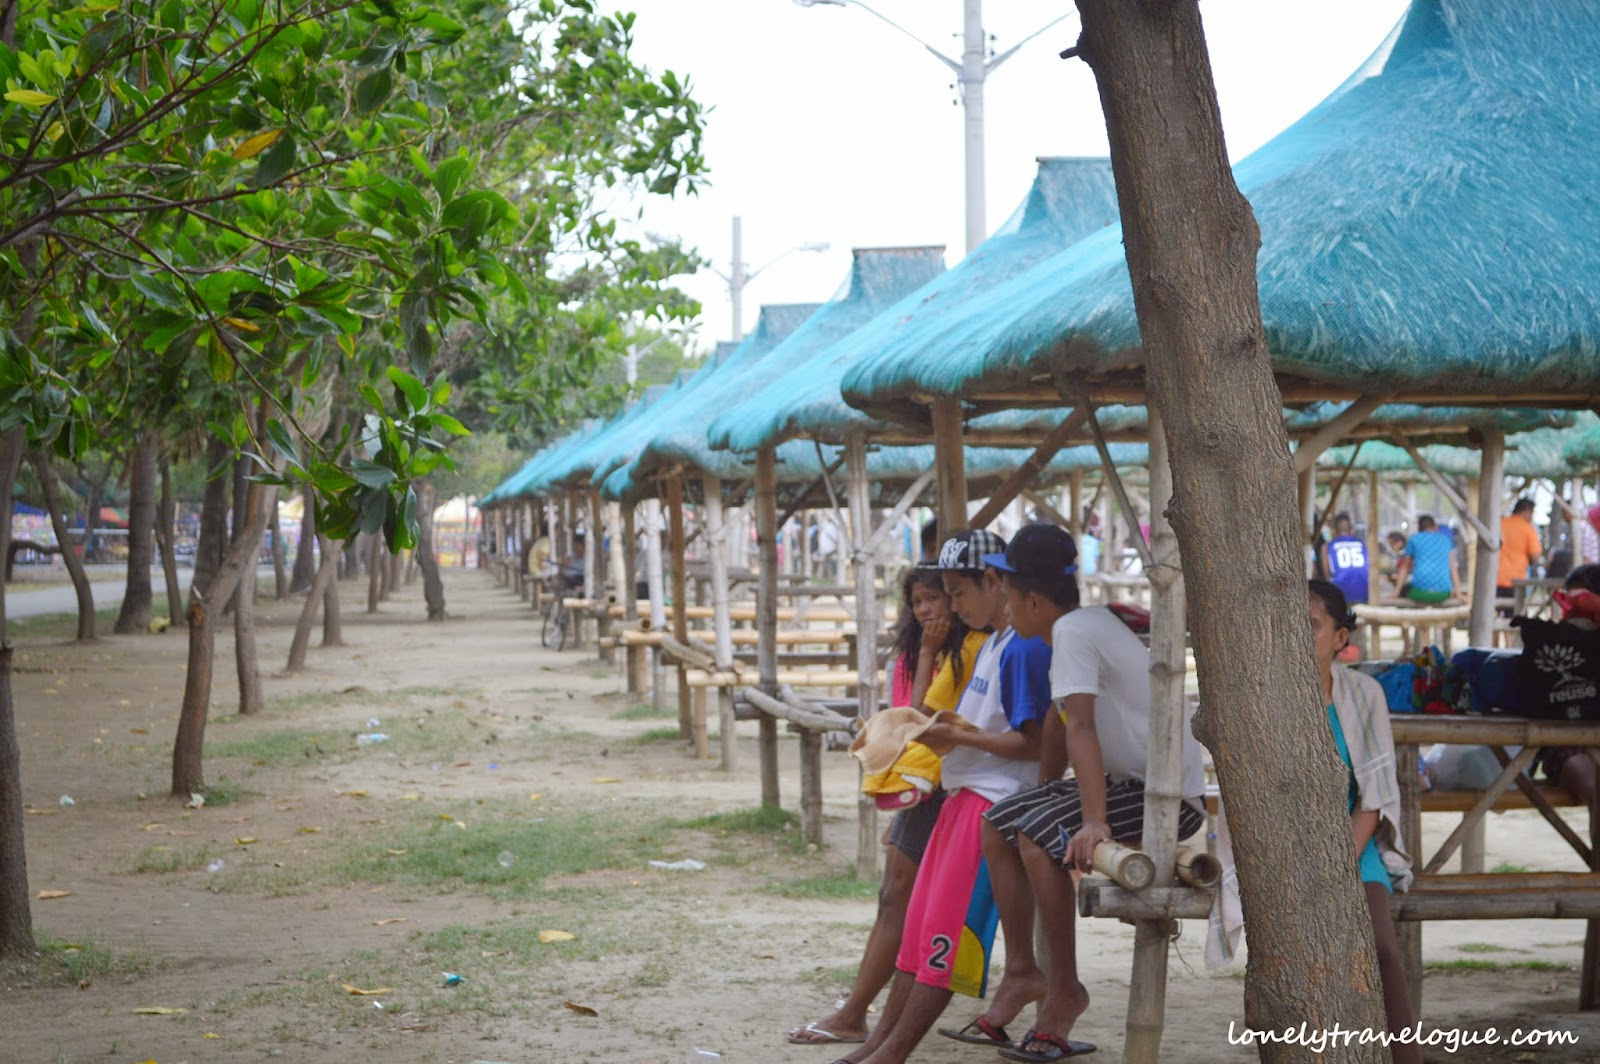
point(520, 791)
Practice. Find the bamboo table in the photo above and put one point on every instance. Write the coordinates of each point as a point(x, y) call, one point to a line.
point(1532, 598)
point(1494, 895)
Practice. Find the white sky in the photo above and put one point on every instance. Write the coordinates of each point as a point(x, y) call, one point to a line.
point(828, 126)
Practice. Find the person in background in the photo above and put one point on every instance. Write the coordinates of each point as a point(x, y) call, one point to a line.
point(1395, 543)
point(1429, 564)
point(1572, 768)
point(1519, 548)
point(1345, 560)
point(934, 654)
point(1359, 717)
point(1589, 538)
point(929, 543)
point(1089, 544)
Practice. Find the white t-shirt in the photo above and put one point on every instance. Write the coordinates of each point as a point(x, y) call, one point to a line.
point(995, 778)
point(1094, 653)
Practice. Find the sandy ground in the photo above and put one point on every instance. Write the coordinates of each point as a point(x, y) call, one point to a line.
point(378, 867)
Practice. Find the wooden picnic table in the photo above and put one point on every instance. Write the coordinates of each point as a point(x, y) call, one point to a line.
point(1494, 895)
point(1533, 598)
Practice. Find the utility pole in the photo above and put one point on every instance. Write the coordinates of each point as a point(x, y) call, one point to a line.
point(737, 278)
point(973, 71)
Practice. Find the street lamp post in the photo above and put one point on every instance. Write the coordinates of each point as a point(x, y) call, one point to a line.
point(971, 70)
point(738, 276)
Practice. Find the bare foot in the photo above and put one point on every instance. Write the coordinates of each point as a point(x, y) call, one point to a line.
point(1016, 992)
point(1057, 1014)
point(835, 1027)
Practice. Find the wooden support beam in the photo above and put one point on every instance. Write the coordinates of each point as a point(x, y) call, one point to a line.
point(1507, 776)
point(1486, 563)
point(1426, 730)
point(1311, 448)
point(951, 466)
point(1099, 897)
point(1531, 904)
point(680, 620)
point(1044, 506)
point(717, 545)
point(1031, 467)
point(767, 528)
point(1449, 492)
point(1119, 490)
point(860, 495)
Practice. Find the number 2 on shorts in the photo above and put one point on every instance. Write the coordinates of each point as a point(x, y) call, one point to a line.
point(939, 959)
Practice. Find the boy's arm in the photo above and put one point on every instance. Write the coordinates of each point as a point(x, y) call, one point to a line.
point(1020, 744)
point(1088, 766)
point(1052, 748)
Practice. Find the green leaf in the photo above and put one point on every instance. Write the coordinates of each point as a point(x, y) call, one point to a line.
point(401, 532)
point(373, 90)
point(371, 474)
point(282, 442)
point(276, 162)
point(450, 424)
point(448, 175)
point(415, 392)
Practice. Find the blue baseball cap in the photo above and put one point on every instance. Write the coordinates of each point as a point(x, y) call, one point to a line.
point(1038, 550)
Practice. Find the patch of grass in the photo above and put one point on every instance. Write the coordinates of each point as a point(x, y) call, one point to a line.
point(1505, 868)
point(1485, 947)
point(841, 885)
point(780, 825)
point(643, 711)
point(658, 735)
point(1473, 965)
point(828, 978)
point(65, 625)
point(163, 860)
point(445, 851)
point(74, 963)
point(225, 791)
point(275, 748)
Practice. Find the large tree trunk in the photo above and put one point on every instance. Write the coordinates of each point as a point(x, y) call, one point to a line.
point(305, 557)
point(134, 616)
point(332, 621)
point(280, 575)
point(80, 579)
point(1191, 244)
point(166, 535)
point(246, 660)
point(320, 584)
point(187, 775)
point(427, 560)
point(213, 519)
point(16, 918)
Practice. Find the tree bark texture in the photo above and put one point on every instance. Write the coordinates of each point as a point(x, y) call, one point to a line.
point(166, 535)
point(247, 662)
point(213, 518)
point(187, 771)
point(16, 918)
point(320, 583)
point(332, 620)
point(134, 616)
point(375, 568)
point(74, 563)
point(305, 556)
point(1191, 242)
point(432, 585)
point(280, 568)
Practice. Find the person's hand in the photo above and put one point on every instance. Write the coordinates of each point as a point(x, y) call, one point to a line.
point(941, 738)
point(934, 633)
point(1080, 851)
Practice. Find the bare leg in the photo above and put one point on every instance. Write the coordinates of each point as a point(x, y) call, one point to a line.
point(1577, 775)
point(1066, 997)
point(877, 961)
point(893, 1010)
point(1023, 983)
point(1396, 1005)
point(923, 1006)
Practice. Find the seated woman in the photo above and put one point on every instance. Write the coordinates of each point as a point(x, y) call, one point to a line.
point(933, 659)
point(1359, 717)
point(1573, 767)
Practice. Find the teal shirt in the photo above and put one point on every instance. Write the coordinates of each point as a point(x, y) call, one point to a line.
point(1372, 867)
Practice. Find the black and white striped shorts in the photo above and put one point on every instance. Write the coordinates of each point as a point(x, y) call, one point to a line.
point(1051, 813)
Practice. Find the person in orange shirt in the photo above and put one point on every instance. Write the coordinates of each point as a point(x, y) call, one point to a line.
point(1519, 547)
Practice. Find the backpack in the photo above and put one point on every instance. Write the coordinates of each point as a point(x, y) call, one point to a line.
point(1558, 673)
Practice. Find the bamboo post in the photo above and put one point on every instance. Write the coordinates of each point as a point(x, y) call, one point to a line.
point(1589, 977)
point(1487, 563)
point(1075, 503)
point(680, 620)
point(1410, 932)
point(634, 656)
point(1131, 868)
point(655, 580)
point(717, 548)
point(594, 566)
point(1374, 647)
point(859, 490)
point(767, 612)
point(1164, 773)
point(950, 461)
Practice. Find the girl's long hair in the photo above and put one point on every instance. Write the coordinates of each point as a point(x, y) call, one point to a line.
point(908, 635)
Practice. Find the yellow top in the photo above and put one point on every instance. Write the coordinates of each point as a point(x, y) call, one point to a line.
point(945, 690)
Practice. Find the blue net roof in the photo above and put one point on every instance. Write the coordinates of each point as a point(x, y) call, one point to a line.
point(1582, 451)
point(1429, 225)
point(1069, 199)
point(1538, 454)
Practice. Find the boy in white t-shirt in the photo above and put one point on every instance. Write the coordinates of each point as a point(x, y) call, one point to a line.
point(1100, 688)
point(950, 920)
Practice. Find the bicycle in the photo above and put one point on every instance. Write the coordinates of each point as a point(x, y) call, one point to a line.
point(557, 618)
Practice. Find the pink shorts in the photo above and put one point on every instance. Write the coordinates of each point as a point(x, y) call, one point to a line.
point(951, 919)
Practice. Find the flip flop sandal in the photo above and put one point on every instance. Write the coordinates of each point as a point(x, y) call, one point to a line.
point(818, 1036)
point(988, 1034)
point(1060, 1049)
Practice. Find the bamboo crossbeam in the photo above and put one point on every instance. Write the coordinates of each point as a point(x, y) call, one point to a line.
point(700, 677)
point(1427, 729)
point(1198, 869)
point(1132, 869)
point(1099, 897)
point(811, 719)
point(1461, 801)
point(828, 614)
point(1481, 881)
point(1533, 903)
point(744, 637)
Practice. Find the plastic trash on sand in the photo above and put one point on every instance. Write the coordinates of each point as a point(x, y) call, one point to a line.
point(371, 738)
point(451, 979)
point(506, 859)
point(216, 866)
point(700, 1056)
point(688, 864)
point(67, 802)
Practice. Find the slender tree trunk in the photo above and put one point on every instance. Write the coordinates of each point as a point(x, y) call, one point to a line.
point(305, 556)
point(374, 572)
point(16, 918)
point(95, 498)
point(427, 560)
point(332, 622)
point(1191, 242)
point(213, 519)
point(187, 774)
point(134, 616)
point(280, 574)
point(320, 583)
point(391, 575)
point(80, 579)
point(166, 535)
point(246, 660)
